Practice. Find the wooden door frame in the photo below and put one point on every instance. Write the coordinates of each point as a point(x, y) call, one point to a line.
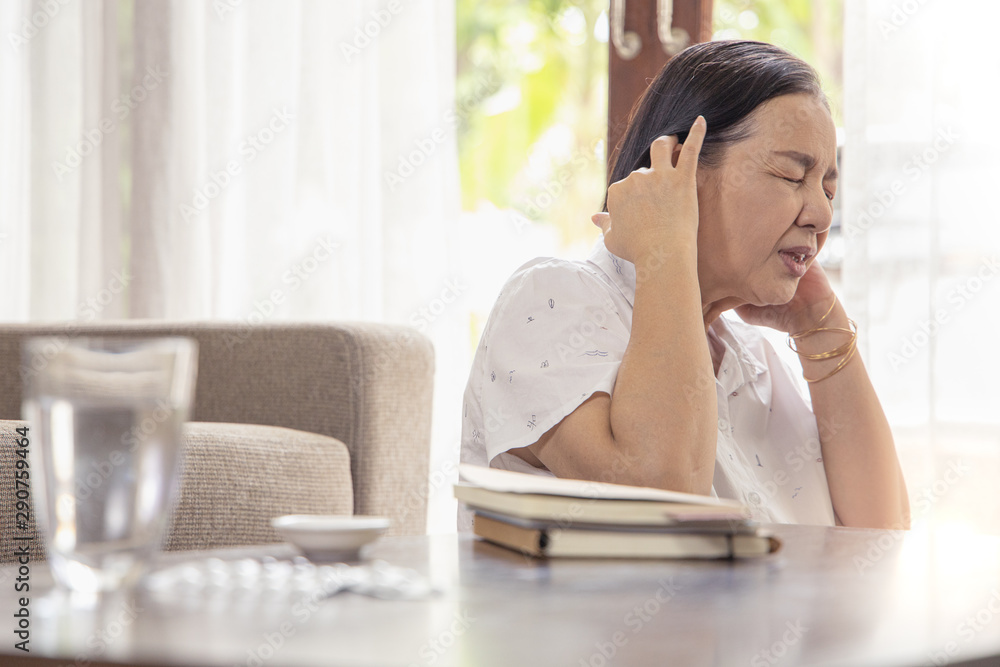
point(628, 79)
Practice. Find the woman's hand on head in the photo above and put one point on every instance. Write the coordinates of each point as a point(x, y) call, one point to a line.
point(658, 205)
point(811, 300)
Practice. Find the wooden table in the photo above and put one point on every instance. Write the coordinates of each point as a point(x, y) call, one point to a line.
point(832, 596)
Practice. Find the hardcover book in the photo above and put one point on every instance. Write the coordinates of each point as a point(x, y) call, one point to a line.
point(547, 516)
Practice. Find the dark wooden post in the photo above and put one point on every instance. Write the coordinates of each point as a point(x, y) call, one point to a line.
point(627, 79)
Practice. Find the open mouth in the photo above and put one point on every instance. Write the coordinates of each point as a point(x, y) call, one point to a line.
point(795, 262)
point(798, 257)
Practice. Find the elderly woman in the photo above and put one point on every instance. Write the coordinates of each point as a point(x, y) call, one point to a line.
point(620, 369)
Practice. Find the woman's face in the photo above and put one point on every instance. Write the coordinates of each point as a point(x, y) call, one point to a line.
point(766, 210)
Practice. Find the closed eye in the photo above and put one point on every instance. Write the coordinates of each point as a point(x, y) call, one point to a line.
point(800, 181)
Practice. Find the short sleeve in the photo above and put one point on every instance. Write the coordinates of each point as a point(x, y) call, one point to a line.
point(556, 336)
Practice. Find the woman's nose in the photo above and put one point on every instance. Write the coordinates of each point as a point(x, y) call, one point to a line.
point(816, 212)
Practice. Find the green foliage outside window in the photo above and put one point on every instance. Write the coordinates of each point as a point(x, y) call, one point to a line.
point(532, 95)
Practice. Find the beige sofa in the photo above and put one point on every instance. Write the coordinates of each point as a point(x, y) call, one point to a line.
point(288, 418)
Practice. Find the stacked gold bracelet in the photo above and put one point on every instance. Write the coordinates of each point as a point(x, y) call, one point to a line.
point(846, 350)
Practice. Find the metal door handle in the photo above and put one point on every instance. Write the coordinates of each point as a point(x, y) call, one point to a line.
point(672, 39)
point(627, 44)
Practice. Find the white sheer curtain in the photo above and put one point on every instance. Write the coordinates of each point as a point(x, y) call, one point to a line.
point(251, 160)
point(922, 237)
point(255, 135)
point(57, 222)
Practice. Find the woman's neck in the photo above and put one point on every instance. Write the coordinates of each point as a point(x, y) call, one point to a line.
point(712, 310)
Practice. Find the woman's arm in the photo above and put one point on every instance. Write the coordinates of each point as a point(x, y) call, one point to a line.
point(659, 429)
point(866, 482)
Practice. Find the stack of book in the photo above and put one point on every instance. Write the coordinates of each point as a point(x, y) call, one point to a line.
point(546, 516)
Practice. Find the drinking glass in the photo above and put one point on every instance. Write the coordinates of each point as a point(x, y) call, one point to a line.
point(106, 417)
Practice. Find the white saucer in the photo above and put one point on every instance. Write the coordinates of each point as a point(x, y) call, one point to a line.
point(330, 538)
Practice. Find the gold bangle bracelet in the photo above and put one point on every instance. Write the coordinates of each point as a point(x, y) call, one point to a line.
point(840, 366)
point(810, 332)
point(847, 350)
point(837, 352)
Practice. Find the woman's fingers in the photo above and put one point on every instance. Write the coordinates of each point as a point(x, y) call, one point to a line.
point(660, 151)
point(692, 146)
point(646, 197)
point(662, 148)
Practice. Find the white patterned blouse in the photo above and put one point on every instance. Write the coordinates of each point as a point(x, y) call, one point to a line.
point(557, 334)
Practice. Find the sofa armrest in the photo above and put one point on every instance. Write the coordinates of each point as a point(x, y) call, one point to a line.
point(366, 384)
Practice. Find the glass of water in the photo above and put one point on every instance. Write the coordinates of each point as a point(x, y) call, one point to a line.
point(106, 417)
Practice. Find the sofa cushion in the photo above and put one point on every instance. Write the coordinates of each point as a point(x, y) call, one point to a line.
point(236, 478)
